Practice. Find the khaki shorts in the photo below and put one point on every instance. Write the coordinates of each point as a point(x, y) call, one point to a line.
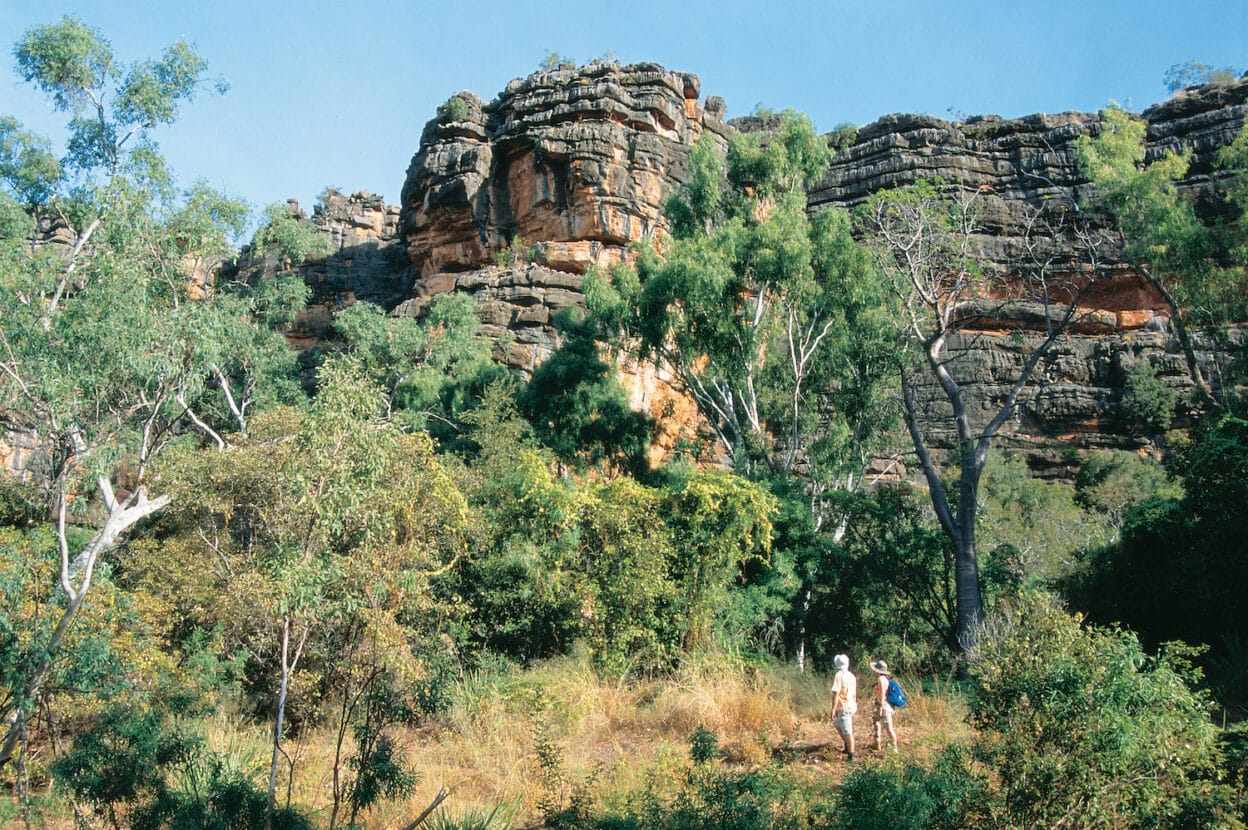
point(884, 714)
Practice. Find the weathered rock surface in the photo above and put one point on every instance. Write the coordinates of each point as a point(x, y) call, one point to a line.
point(366, 263)
point(1029, 163)
point(516, 305)
point(1073, 404)
point(575, 161)
point(1029, 160)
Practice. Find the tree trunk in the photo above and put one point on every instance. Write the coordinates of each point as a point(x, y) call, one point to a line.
point(1203, 387)
point(120, 519)
point(801, 631)
point(966, 582)
point(279, 723)
point(965, 560)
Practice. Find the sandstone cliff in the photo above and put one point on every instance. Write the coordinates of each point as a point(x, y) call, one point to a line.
point(1074, 400)
point(577, 163)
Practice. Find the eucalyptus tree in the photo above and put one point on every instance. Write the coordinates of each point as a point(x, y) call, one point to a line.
point(319, 526)
point(926, 239)
point(432, 369)
point(768, 314)
point(772, 317)
point(1197, 268)
point(113, 341)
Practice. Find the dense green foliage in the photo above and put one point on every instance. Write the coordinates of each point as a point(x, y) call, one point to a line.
point(1075, 726)
point(767, 313)
point(581, 412)
point(207, 530)
point(1177, 572)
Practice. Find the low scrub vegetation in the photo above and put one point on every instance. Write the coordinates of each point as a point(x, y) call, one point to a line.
point(388, 583)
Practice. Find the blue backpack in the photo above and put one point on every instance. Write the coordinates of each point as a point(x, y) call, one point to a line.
point(895, 696)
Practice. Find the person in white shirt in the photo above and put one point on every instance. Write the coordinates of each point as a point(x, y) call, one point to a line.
point(844, 702)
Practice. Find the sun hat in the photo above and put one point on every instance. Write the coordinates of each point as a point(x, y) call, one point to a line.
point(841, 661)
point(880, 667)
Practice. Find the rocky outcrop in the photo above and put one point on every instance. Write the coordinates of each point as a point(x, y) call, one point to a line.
point(1028, 164)
point(516, 304)
point(1029, 160)
point(576, 162)
point(565, 167)
point(1074, 402)
point(366, 263)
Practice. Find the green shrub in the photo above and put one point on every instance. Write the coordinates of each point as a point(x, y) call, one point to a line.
point(518, 252)
point(1146, 400)
point(1076, 727)
point(843, 136)
point(949, 795)
point(554, 60)
point(1235, 748)
point(703, 745)
point(454, 109)
point(18, 504)
point(1112, 482)
point(1080, 724)
point(141, 769)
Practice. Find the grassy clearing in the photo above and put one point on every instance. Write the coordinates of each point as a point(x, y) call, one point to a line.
point(619, 736)
point(612, 738)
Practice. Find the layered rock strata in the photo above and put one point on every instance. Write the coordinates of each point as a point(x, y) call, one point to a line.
point(516, 305)
point(560, 172)
point(1029, 164)
point(366, 263)
point(1074, 402)
point(576, 163)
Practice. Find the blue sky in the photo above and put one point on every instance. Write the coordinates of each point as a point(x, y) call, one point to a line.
point(337, 93)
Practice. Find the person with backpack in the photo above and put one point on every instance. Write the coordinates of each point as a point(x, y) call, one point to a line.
point(888, 697)
point(844, 702)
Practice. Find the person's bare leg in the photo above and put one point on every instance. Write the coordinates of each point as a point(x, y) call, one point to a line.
point(892, 735)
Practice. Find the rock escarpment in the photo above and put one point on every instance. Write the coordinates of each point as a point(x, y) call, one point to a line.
point(366, 261)
point(1074, 402)
point(366, 265)
point(1029, 163)
point(575, 162)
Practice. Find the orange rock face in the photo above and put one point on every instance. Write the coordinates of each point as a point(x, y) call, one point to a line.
point(579, 161)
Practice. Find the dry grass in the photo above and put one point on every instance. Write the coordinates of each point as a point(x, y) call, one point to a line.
point(618, 733)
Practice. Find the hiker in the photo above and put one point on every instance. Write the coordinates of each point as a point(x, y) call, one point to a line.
point(883, 709)
point(844, 702)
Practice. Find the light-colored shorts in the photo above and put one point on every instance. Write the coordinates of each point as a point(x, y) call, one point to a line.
point(884, 714)
point(844, 723)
